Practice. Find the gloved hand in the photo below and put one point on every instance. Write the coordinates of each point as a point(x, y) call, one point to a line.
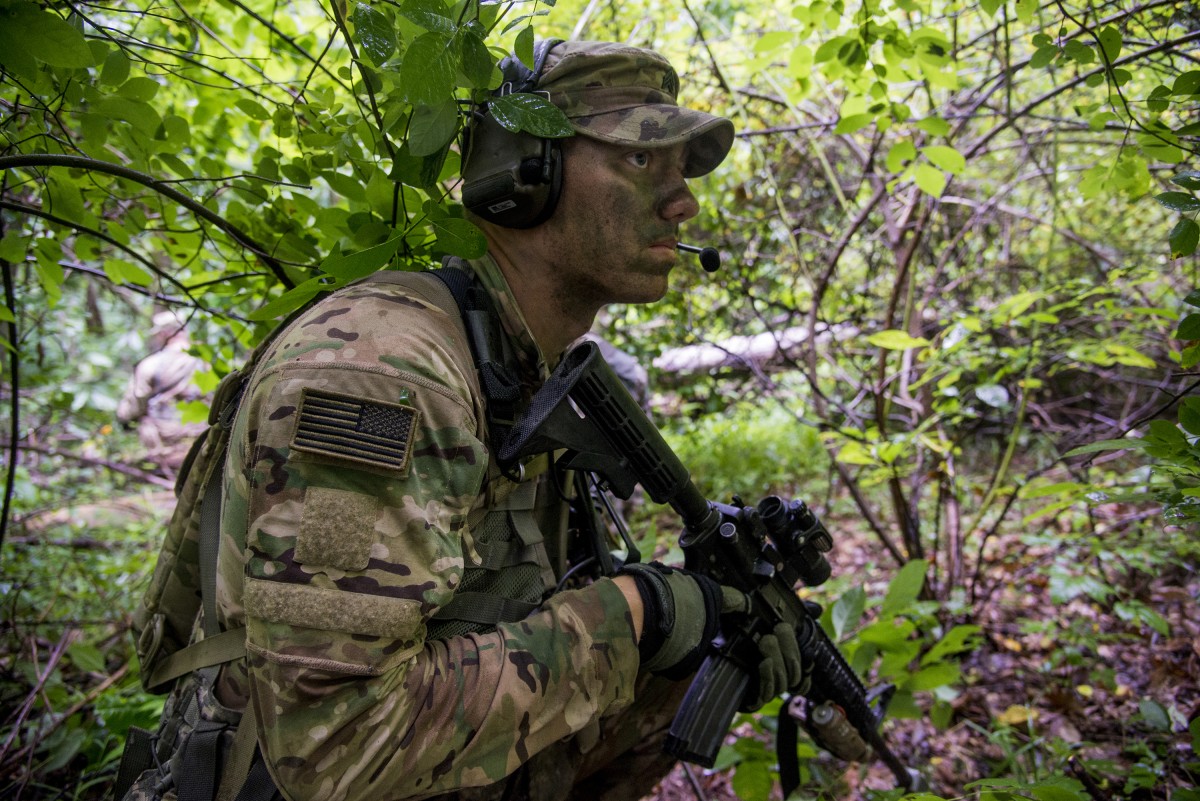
point(780, 669)
point(681, 616)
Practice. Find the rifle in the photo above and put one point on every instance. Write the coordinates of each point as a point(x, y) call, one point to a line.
point(762, 550)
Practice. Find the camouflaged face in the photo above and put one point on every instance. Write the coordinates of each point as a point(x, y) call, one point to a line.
point(627, 95)
point(337, 549)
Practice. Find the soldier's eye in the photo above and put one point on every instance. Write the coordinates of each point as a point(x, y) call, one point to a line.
point(639, 158)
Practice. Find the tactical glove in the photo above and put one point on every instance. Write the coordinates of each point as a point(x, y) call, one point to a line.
point(681, 616)
point(780, 667)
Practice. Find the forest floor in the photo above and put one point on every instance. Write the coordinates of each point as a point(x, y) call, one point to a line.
point(1077, 690)
point(1051, 680)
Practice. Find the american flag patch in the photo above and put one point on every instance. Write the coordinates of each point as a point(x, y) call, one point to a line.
point(365, 431)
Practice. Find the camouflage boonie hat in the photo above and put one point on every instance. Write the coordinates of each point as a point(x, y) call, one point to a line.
point(627, 95)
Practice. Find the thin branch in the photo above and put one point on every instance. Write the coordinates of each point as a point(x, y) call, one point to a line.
point(83, 163)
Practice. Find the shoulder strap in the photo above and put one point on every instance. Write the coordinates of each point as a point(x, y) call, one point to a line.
point(489, 347)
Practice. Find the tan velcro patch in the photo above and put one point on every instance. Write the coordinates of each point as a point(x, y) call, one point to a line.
point(337, 528)
point(332, 610)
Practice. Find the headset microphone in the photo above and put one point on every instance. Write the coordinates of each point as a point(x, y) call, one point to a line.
point(710, 259)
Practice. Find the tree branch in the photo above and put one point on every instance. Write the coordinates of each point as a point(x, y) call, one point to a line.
point(200, 210)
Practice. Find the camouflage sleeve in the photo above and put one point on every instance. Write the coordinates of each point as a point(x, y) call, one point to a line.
point(358, 470)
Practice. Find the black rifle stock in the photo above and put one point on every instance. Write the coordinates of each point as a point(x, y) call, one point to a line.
point(763, 551)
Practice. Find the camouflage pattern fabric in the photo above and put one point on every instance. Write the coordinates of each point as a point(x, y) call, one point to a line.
point(159, 382)
point(628, 95)
point(357, 468)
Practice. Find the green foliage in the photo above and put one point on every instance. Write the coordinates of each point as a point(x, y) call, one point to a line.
point(1186, 233)
point(1171, 444)
point(749, 449)
point(952, 202)
point(897, 640)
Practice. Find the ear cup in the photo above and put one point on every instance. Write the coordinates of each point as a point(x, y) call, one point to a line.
point(512, 180)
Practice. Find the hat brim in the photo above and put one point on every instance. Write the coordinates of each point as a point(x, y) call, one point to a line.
point(709, 137)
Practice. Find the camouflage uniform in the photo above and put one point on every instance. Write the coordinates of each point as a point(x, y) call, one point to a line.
point(159, 382)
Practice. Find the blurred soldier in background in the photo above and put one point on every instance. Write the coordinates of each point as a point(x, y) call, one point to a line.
point(158, 384)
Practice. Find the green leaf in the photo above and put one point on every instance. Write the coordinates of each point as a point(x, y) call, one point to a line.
point(48, 37)
point(1183, 238)
point(1154, 714)
point(1192, 298)
point(139, 114)
point(417, 171)
point(459, 237)
point(532, 113)
point(253, 110)
point(1043, 56)
point(990, 7)
point(960, 639)
point(1178, 201)
point(1186, 84)
point(351, 266)
point(1059, 789)
point(1188, 179)
point(1110, 41)
point(477, 62)
point(345, 185)
point(945, 157)
point(116, 68)
point(1080, 52)
point(374, 32)
point(1190, 357)
point(14, 56)
point(139, 88)
point(893, 339)
point(934, 126)
point(847, 611)
point(853, 122)
point(899, 155)
point(1189, 327)
point(86, 657)
point(287, 302)
point(904, 588)
point(888, 634)
point(428, 70)
point(14, 245)
point(432, 128)
point(1158, 99)
point(523, 45)
point(930, 179)
point(934, 676)
point(121, 271)
point(429, 14)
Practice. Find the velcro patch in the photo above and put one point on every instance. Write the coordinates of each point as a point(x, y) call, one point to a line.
point(337, 529)
point(368, 432)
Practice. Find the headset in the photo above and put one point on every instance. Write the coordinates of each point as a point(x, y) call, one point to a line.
point(511, 179)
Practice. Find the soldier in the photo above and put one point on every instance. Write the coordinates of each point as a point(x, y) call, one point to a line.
point(403, 633)
point(159, 382)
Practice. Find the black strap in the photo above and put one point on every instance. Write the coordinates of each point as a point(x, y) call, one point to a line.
point(786, 742)
point(259, 785)
point(199, 762)
point(137, 758)
point(489, 347)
